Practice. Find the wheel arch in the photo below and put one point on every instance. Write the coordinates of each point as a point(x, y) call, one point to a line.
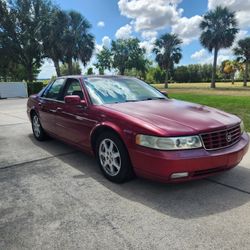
point(32, 113)
point(100, 128)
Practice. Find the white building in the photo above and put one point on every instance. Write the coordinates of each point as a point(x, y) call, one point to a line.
point(13, 89)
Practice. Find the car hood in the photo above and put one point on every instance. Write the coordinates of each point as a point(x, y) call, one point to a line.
point(177, 117)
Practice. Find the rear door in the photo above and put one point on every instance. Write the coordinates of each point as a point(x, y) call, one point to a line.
point(48, 104)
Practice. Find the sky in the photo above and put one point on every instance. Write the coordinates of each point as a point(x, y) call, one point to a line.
point(148, 19)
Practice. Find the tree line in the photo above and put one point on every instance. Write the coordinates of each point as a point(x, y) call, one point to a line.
point(32, 30)
point(227, 71)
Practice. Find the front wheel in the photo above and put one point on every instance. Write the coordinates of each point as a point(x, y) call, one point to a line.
point(113, 158)
point(38, 131)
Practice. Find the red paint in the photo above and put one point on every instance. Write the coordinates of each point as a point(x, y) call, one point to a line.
point(76, 126)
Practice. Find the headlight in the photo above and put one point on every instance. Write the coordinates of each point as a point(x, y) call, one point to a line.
point(242, 127)
point(169, 143)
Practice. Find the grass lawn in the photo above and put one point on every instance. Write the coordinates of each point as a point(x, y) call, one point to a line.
point(231, 98)
point(222, 88)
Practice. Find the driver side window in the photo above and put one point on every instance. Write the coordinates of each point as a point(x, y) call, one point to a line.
point(73, 87)
point(55, 90)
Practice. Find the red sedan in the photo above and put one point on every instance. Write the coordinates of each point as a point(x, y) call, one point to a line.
point(133, 128)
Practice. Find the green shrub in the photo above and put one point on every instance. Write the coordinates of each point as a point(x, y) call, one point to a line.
point(34, 88)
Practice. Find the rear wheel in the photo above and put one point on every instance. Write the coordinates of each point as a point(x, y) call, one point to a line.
point(113, 158)
point(38, 131)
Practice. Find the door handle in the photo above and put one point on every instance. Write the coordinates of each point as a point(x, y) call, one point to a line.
point(82, 107)
point(58, 109)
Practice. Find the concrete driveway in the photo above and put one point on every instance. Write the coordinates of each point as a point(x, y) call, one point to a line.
point(54, 197)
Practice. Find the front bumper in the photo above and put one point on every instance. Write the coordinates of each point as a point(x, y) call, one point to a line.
point(198, 163)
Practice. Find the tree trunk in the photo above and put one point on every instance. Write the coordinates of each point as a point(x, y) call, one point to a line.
point(166, 80)
point(70, 67)
point(57, 66)
point(214, 69)
point(5, 76)
point(245, 74)
point(122, 71)
point(232, 77)
point(30, 73)
point(101, 71)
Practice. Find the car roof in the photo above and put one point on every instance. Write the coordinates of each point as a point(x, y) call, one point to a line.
point(96, 76)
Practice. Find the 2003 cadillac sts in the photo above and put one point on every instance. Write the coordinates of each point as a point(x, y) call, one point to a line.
point(133, 128)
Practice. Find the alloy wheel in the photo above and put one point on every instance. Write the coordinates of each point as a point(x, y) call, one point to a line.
point(36, 126)
point(110, 157)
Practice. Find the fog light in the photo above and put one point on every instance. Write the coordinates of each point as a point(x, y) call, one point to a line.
point(179, 175)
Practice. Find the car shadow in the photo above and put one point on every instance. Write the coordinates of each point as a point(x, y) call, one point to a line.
point(52, 146)
point(187, 200)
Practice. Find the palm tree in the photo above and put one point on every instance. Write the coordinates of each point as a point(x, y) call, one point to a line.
point(219, 28)
point(52, 37)
point(78, 42)
point(168, 52)
point(242, 51)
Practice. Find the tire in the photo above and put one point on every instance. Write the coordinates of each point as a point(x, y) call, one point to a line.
point(38, 131)
point(113, 158)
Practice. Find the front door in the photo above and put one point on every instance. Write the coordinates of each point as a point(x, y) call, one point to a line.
point(73, 123)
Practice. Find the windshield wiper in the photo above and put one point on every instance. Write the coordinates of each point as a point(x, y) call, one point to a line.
point(154, 98)
point(131, 100)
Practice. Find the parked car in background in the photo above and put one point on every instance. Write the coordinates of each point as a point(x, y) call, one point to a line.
point(132, 128)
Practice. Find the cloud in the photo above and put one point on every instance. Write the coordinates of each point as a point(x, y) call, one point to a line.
point(148, 45)
point(187, 28)
point(150, 15)
point(199, 54)
point(124, 32)
point(204, 57)
point(149, 34)
point(240, 35)
point(241, 7)
point(101, 24)
point(106, 41)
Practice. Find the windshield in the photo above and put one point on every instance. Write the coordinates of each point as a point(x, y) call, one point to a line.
point(117, 90)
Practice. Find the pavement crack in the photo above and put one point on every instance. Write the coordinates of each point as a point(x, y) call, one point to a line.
point(12, 124)
point(37, 160)
point(228, 186)
point(14, 116)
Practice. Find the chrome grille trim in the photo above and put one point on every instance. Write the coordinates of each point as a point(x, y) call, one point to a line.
point(215, 139)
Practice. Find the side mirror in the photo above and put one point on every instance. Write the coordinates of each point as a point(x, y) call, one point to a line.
point(164, 92)
point(72, 99)
point(83, 103)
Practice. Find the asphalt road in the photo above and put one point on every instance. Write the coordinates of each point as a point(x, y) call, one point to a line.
point(54, 197)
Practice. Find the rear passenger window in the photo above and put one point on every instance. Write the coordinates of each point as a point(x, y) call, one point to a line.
point(54, 91)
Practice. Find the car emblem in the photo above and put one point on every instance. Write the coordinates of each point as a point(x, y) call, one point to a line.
point(228, 137)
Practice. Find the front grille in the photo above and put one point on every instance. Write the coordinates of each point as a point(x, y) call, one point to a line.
point(221, 139)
